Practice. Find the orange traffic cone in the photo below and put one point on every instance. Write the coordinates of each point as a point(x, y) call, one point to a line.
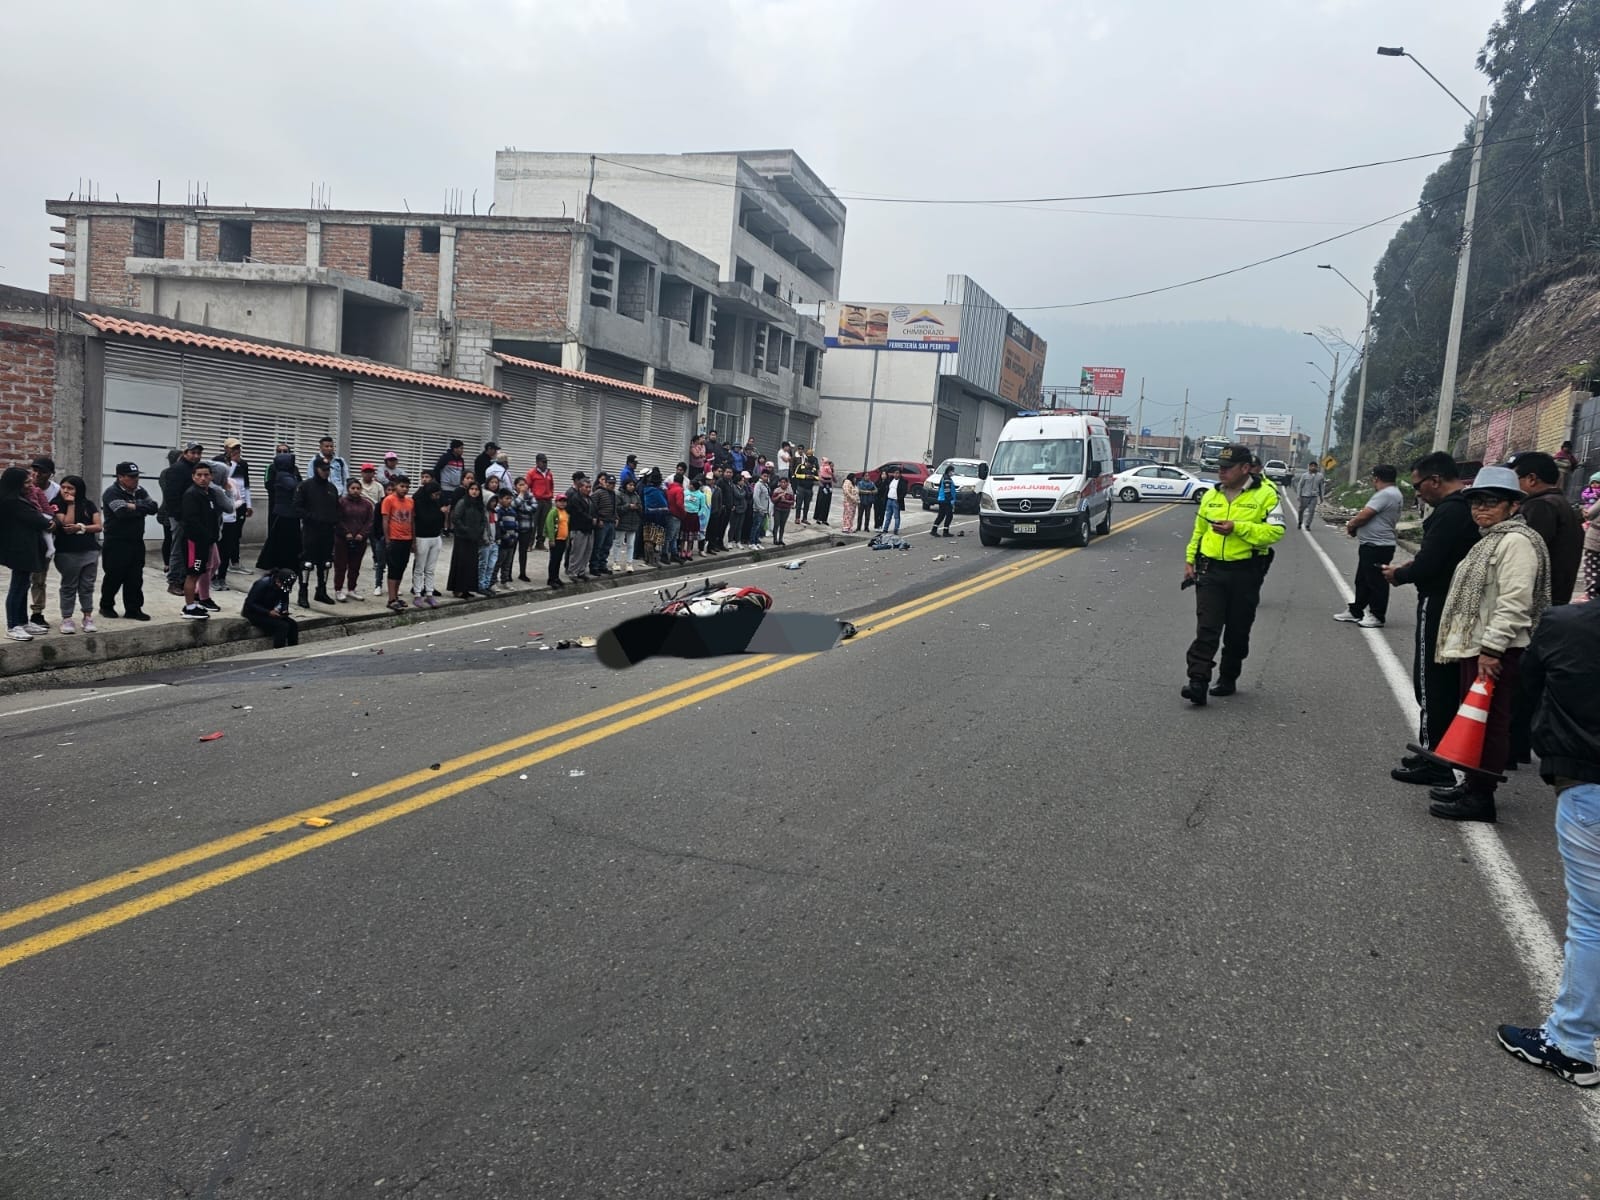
point(1461, 748)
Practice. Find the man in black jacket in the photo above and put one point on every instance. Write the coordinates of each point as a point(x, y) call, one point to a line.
point(580, 526)
point(175, 481)
point(1554, 519)
point(125, 505)
point(266, 606)
point(316, 503)
point(1562, 668)
point(1448, 536)
point(604, 501)
point(201, 522)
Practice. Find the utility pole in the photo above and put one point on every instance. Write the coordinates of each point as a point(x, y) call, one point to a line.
point(1138, 421)
point(1183, 436)
point(1361, 397)
point(1458, 307)
point(1222, 427)
point(1327, 421)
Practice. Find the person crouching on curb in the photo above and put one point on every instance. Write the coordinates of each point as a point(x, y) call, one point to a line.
point(1231, 532)
point(266, 606)
point(1562, 667)
point(1496, 597)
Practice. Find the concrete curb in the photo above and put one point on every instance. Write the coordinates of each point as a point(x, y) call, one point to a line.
point(128, 648)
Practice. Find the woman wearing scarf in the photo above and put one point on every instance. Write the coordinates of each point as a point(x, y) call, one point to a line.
point(1497, 595)
point(282, 547)
point(470, 520)
point(653, 537)
point(852, 503)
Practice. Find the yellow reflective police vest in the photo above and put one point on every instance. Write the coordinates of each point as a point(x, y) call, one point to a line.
point(1252, 535)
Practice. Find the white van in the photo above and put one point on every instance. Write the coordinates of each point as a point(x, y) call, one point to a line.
point(1050, 476)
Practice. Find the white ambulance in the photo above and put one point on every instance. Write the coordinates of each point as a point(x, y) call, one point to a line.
point(1050, 477)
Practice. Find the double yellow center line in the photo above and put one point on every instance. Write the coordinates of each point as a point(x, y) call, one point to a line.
point(480, 767)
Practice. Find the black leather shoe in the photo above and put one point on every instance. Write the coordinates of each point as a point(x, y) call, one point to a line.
point(1471, 808)
point(1428, 774)
point(1194, 692)
point(1448, 795)
point(1224, 687)
point(1414, 760)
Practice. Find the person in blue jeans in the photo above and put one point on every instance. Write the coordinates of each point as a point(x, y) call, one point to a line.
point(894, 491)
point(1561, 667)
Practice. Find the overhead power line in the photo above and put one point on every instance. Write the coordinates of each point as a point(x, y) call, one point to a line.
point(874, 198)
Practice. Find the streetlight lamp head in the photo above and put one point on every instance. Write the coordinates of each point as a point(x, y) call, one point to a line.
point(1392, 51)
point(1324, 266)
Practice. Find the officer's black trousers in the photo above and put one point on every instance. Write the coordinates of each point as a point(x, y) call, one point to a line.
point(1225, 599)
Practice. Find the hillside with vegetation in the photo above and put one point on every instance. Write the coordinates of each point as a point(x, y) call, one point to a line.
point(1532, 322)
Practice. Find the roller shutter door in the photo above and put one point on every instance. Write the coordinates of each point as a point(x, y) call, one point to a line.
point(417, 423)
point(260, 405)
point(766, 428)
point(802, 430)
point(143, 399)
point(621, 419)
point(664, 434)
point(551, 417)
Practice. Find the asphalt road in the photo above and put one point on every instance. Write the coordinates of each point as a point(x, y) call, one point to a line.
point(972, 905)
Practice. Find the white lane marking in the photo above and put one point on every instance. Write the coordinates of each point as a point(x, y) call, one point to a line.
point(21, 712)
point(1531, 936)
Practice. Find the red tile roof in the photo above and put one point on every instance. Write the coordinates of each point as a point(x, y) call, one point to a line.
point(621, 385)
point(304, 358)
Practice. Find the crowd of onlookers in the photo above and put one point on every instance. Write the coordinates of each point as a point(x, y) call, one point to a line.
point(463, 527)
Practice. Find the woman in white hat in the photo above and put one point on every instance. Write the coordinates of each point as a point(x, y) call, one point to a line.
point(1496, 597)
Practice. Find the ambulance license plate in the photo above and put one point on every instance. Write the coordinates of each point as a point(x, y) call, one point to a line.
point(1024, 528)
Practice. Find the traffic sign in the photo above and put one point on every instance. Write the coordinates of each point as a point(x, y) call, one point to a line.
point(1329, 463)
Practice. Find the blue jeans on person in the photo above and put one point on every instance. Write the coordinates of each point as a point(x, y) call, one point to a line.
point(891, 512)
point(487, 557)
point(605, 533)
point(1574, 1021)
point(17, 598)
point(674, 527)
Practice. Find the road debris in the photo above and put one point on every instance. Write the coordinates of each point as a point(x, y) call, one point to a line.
point(210, 737)
point(316, 822)
point(794, 564)
point(576, 773)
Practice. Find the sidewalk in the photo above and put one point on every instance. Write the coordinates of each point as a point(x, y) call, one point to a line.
point(123, 647)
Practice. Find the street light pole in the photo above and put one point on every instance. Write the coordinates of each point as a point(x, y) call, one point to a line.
point(1366, 353)
point(1333, 380)
point(1458, 306)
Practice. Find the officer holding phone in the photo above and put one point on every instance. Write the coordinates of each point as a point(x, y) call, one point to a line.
point(1224, 561)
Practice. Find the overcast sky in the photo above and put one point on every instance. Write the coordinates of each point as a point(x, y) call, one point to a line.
point(398, 101)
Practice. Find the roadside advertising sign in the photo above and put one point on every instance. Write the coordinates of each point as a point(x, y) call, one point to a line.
point(931, 327)
point(1265, 424)
point(1021, 364)
point(1101, 381)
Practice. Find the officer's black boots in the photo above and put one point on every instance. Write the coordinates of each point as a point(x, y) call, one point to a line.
point(1224, 687)
point(1195, 692)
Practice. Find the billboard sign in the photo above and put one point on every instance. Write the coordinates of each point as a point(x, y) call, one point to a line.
point(1021, 364)
point(1101, 381)
point(1262, 424)
point(929, 327)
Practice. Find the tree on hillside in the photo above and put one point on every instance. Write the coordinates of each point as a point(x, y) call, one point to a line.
point(1538, 215)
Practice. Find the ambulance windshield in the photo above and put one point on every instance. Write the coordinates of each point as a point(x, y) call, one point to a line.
point(1048, 456)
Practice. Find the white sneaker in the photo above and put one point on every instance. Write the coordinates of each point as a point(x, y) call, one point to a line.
point(36, 630)
point(1344, 615)
point(378, 591)
point(339, 595)
point(88, 625)
point(1370, 622)
point(18, 633)
point(68, 627)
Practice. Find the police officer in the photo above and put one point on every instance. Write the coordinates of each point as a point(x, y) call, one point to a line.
point(1231, 534)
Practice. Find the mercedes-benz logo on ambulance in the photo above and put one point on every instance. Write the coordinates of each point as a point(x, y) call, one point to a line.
point(1025, 506)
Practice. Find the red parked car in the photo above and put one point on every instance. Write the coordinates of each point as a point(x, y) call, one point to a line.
point(914, 473)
